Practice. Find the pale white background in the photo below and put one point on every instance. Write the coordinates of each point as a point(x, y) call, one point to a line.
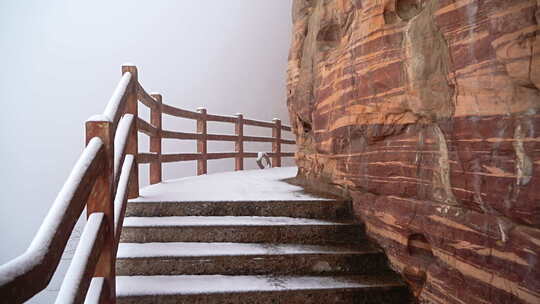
point(60, 61)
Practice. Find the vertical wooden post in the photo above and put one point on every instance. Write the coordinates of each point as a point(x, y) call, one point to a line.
point(133, 141)
point(155, 141)
point(201, 143)
point(101, 200)
point(239, 144)
point(276, 145)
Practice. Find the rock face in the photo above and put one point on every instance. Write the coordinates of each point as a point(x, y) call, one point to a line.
point(427, 113)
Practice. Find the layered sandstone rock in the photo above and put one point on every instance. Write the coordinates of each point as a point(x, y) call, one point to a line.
point(426, 112)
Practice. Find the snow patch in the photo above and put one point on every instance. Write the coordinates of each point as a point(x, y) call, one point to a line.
point(76, 270)
point(193, 249)
point(116, 98)
point(202, 284)
point(98, 118)
point(94, 291)
point(120, 196)
point(248, 185)
point(121, 139)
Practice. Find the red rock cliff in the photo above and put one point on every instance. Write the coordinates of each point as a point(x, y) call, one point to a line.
point(426, 112)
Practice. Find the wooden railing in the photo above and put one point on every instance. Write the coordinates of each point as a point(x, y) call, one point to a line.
point(103, 179)
point(156, 133)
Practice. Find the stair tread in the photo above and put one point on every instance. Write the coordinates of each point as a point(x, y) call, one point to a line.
point(320, 209)
point(211, 284)
point(196, 249)
point(251, 185)
point(168, 221)
point(142, 201)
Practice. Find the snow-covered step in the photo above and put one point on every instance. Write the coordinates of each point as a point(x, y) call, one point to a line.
point(306, 208)
point(247, 258)
point(239, 229)
point(260, 289)
point(248, 237)
point(249, 185)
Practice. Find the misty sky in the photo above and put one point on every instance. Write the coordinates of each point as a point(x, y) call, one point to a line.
point(61, 60)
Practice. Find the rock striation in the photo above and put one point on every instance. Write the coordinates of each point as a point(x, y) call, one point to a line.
point(426, 112)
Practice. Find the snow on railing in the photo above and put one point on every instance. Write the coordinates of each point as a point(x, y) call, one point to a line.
point(121, 139)
point(29, 273)
point(121, 192)
point(115, 102)
point(95, 294)
point(82, 264)
point(103, 179)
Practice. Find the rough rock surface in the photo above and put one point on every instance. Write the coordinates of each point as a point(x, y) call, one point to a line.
point(426, 112)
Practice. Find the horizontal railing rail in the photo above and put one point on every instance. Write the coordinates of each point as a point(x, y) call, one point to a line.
point(156, 133)
point(103, 179)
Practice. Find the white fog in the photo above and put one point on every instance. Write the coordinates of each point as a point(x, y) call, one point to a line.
point(61, 61)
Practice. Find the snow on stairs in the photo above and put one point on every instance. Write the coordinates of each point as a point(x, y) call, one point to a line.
point(195, 241)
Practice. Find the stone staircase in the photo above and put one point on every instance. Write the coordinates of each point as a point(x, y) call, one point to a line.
point(299, 250)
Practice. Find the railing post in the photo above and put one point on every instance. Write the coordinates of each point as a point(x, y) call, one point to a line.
point(133, 142)
point(155, 141)
point(201, 143)
point(101, 200)
point(276, 145)
point(239, 144)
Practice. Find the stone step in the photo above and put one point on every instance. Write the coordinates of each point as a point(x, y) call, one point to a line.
point(239, 229)
point(247, 259)
point(321, 208)
point(260, 289)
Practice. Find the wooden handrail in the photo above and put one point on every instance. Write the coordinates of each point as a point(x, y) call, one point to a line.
point(271, 154)
point(28, 274)
point(132, 146)
point(202, 137)
point(173, 111)
point(179, 112)
point(84, 262)
point(215, 137)
point(104, 178)
point(146, 128)
point(288, 141)
point(179, 135)
point(170, 158)
point(116, 105)
point(121, 141)
point(220, 118)
point(221, 137)
point(156, 133)
point(145, 98)
point(146, 158)
point(120, 198)
point(96, 291)
point(257, 123)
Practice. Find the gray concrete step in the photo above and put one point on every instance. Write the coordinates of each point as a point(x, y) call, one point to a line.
point(317, 209)
point(247, 259)
point(240, 229)
point(260, 289)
